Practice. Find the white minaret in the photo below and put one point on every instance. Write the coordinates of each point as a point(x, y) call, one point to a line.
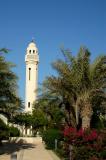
point(31, 59)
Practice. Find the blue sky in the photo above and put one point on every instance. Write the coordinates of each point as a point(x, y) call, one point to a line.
point(53, 23)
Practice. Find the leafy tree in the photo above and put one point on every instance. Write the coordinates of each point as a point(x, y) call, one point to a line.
point(39, 119)
point(47, 113)
point(23, 119)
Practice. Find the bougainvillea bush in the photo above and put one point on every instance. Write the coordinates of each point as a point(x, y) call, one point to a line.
point(86, 144)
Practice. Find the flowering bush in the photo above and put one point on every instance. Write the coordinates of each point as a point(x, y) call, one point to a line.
point(87, 144)
point(79, 137)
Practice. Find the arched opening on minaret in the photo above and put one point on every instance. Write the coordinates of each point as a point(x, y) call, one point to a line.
point(29, 73)
point(28, 104)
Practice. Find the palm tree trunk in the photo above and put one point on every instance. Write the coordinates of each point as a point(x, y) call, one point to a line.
point(86, 115)
point(86, 122)
point(77, 116)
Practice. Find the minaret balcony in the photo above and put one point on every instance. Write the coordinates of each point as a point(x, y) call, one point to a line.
point(32, 58)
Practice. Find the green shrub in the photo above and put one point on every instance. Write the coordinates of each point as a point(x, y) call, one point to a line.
point(4, 131)
point(14, 132)
point(49, 137)
point(62, 153)
point(83, 152)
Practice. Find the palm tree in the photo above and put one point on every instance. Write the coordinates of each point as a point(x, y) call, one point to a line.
point(9, 100)
point(78, 83)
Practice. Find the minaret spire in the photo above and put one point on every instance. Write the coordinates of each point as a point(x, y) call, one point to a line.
point(33, 39)
point(31, 59)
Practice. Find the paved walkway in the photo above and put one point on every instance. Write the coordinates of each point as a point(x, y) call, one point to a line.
point(32, 149)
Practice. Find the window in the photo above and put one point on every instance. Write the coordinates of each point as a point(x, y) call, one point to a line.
point(26, 131)
point(29, 51)
point(29, 73)
point(28, 104)
point(33, 51)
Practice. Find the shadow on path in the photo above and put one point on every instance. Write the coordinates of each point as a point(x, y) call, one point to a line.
point(10, 147)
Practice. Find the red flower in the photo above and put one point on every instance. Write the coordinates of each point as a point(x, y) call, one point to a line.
point(69, 130)
point(79, 137)
point(94, 134)
point(80, 133)
point(91, 136)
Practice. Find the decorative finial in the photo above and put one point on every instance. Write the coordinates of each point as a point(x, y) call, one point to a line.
point(33, 39)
